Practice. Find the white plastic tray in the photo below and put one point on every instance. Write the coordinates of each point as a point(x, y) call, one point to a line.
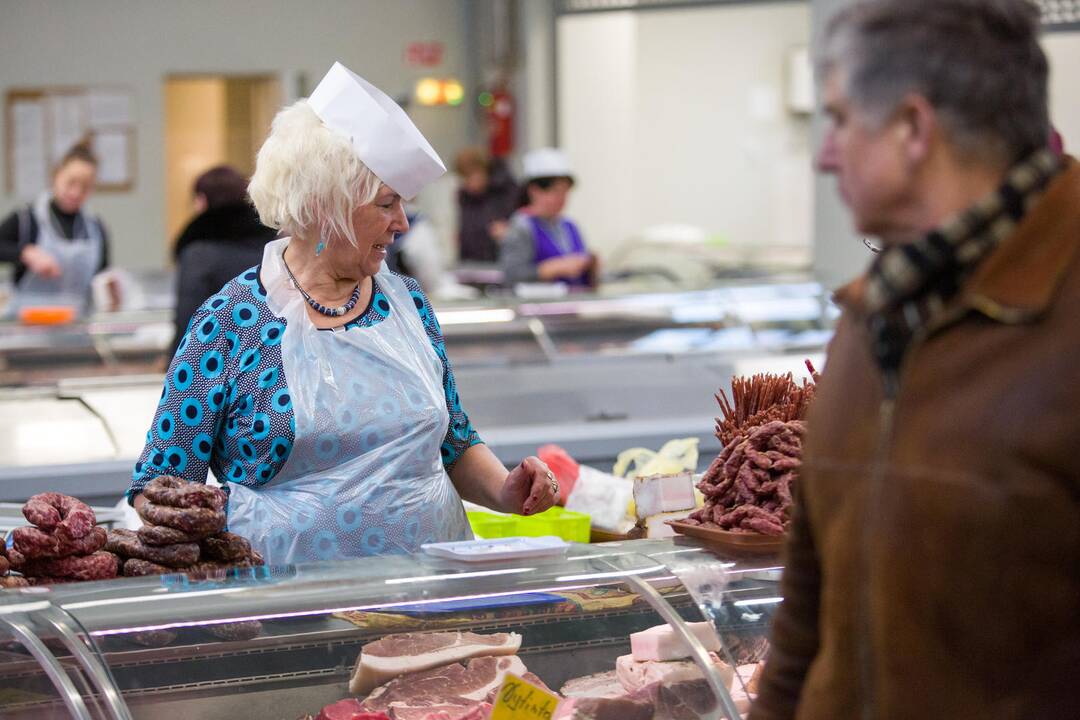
point(498, 548)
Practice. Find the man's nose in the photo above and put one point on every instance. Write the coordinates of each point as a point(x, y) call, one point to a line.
point(828, 157)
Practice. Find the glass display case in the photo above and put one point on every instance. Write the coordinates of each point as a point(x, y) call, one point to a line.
point(284, 642)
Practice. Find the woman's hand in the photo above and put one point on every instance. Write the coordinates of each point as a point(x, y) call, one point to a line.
point(564, 267)
point(529, 488)
point(39, 262)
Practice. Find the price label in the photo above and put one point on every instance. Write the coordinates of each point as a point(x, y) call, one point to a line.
point(519, 699)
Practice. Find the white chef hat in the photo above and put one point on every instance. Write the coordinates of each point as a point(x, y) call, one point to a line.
point(545, 163)
point(382, 135)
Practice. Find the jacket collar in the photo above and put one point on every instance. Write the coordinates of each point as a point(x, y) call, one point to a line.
point(1017, 281)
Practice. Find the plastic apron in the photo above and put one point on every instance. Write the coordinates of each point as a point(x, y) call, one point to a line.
point(365, 475)
point(79, 260)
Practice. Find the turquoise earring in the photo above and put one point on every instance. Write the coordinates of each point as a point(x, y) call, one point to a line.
point(319, 248)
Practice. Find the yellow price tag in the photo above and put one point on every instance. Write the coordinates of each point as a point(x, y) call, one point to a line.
point(519, 699)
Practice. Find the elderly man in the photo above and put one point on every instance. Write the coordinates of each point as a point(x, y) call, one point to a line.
point(934, 560)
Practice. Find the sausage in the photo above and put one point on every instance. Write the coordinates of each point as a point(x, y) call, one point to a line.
point(203, 521)
point(135, 567)
point(47, 580)
point(70, 517)
point(175, 492)
point(33, 543)
point(127, 544)
point(5, 565)
point(241, 630)
point(226, 547)
point(100, 565)
point(164, 535)
point(13, 581)
point(151, 638)
point(211, 569)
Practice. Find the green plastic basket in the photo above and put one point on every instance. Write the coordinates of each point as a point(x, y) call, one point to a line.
point(560, 522)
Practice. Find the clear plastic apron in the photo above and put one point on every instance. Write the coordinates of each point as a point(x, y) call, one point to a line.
point(79, 259)
point(365, 475)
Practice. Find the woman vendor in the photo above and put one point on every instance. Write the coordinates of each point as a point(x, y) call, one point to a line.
point(55, 246)
point(316, 386)
point(542, 245)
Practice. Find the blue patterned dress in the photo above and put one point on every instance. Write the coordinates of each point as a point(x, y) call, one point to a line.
point(226, 405)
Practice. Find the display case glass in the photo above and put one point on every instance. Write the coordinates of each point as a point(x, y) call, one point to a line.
point(283, 642)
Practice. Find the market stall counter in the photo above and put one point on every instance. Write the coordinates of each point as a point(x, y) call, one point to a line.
point(648, 628)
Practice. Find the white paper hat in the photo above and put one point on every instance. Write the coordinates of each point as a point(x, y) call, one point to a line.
point(381, 133)
point(546, 162)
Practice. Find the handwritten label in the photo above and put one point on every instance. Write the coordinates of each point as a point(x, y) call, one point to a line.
point(519, 699)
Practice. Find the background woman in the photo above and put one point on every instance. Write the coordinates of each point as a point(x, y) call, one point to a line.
point(541, 244)
point(55, 246)
point(219, 243)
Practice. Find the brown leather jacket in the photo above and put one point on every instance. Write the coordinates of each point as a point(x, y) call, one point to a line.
point(933, 568)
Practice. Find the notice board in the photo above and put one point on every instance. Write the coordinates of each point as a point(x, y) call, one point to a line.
point(43, 123)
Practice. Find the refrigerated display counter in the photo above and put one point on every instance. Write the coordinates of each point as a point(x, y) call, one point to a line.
point(283, 642)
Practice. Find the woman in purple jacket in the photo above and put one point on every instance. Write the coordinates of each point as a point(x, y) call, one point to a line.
point(542, 245)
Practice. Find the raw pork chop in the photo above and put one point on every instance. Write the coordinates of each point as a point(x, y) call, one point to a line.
point(600, 685)
point(446, 687)
point(609, 708)
point(635, 675)
point(348, 709)
point(397, 655)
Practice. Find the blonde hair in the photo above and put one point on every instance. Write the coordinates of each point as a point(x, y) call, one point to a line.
point(308, 178)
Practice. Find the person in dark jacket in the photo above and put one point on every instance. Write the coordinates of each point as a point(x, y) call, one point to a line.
point(222, 241)
point(487, 197)
point(933, 560)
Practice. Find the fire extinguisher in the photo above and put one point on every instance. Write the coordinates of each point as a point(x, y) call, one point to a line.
point(500, 116)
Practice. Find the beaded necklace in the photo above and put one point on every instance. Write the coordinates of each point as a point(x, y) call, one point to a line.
point(319, 307)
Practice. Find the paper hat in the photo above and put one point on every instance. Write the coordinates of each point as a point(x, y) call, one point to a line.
point(546, 162)
point(382, 135)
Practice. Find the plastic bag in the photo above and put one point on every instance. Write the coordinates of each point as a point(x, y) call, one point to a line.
point(676, 456)
point(563, 466)
point(604, 498)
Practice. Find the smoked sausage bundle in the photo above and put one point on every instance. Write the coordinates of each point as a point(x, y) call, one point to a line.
point(64, 544)
point(184, 532)
point(748, 487)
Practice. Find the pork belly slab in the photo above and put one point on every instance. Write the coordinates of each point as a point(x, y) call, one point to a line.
point(396, 655)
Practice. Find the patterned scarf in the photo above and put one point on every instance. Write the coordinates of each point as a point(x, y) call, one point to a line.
point(909, 283)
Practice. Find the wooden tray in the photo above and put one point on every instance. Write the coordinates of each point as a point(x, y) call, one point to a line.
point(738, 541)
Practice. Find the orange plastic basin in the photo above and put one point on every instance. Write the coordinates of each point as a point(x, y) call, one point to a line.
point(47, 314)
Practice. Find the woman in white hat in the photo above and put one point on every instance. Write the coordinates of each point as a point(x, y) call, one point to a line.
point(316, 385)
point(542, 245)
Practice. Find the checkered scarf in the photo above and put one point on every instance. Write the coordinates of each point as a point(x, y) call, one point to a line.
point(910, 283)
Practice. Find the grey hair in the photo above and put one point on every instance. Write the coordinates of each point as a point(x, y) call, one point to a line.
point(308, 180)
point(978, 63)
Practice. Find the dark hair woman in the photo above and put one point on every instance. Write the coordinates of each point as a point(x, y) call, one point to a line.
point(222, 241)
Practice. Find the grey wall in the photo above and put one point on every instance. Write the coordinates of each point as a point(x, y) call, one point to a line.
point(839, 254)
point(136, 43)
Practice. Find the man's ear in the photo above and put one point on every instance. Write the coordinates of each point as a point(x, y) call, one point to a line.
point(917, 122)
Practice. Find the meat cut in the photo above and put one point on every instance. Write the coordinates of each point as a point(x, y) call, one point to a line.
point(443, 688)
point(661, 642)
point(396, 655)
point(634, 675)
point(600, 685)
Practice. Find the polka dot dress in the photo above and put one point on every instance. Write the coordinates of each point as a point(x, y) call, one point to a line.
point(225, 405)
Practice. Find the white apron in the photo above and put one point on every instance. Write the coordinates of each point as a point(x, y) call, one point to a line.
point(79, 259)
point(365, 475)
